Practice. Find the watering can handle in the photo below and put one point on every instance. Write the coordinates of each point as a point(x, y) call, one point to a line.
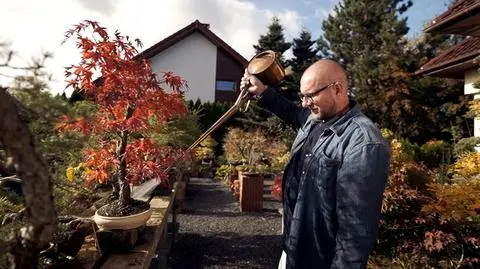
point(243, 97)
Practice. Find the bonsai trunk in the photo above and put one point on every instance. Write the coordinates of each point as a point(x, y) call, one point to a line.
point(115, 186)
point(124, 194)
point(36, 184)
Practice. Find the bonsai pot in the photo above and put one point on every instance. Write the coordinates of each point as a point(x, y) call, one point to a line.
point(120, 234)
point(122, 223)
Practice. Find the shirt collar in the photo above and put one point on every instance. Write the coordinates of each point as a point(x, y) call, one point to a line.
point(339, 126)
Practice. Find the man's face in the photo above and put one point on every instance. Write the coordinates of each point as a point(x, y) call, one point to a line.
point(319, 97)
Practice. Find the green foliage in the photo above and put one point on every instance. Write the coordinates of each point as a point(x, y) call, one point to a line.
point(206, 149)
point(304, 54)
point(272, 126)
point(208, 113)
point(465, 145)
point(254, 151)
point(474, 108)
point(440, 104)
point(179, 132)
point(6, 206)
point(369, 39)
point(222, 171)
point(273, 40)
point(435, 153)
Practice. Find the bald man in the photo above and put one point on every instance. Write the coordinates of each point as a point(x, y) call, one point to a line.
point(334, 181)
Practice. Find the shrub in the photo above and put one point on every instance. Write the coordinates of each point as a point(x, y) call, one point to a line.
point(425, 223)
point(435, 153)
point(255, 152)
point(468, 166)
point(465, 145)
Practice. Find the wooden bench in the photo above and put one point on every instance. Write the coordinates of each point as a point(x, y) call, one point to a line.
point(151, 251)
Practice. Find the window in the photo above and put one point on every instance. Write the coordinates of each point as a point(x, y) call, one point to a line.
point(225, 85)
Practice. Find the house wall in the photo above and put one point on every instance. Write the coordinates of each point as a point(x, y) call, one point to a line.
point(230, 70)
point(194, 59)
point(472, 76)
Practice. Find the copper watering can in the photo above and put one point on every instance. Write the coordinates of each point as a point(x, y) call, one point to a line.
point(266, 67)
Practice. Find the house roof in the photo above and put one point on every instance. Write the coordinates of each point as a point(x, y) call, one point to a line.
point(462, 17)
point(195, 27)
point(454, 61)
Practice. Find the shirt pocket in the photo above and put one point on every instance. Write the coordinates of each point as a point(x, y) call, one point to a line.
point(324, 181)
point(325, 174)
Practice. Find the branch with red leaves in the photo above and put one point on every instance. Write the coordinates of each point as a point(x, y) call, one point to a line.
point(130, 99)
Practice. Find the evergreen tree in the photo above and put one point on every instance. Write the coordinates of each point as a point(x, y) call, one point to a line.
point(368, 38)
point(273, 40)
point(304, 53)
point(440, 104)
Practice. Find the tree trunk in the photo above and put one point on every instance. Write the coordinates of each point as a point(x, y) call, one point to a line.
point(36, 184)
point(115, 186)
point(124, 195)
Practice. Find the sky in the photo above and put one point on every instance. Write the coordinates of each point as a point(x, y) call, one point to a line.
point(32, 26)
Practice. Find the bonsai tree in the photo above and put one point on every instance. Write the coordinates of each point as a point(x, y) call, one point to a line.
point(131, 104)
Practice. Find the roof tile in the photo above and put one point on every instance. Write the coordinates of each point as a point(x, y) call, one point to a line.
point(468, 48)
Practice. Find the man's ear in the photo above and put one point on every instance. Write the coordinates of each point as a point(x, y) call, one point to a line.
point(338, 88)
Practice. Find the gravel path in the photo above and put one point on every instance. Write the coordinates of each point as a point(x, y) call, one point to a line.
point(215, 234)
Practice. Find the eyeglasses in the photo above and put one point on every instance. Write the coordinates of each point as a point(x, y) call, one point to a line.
point(310, 96)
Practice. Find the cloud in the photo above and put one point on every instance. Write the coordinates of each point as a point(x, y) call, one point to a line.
point(106, 7)
point(35, 28)
point(323, 12)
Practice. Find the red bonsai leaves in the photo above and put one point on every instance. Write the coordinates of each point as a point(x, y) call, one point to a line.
point(130, 101)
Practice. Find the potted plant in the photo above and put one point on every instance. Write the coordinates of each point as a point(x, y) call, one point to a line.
point(131, 104)
point(250, 149)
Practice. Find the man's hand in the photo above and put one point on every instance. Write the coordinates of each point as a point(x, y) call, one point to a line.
point(252, 84)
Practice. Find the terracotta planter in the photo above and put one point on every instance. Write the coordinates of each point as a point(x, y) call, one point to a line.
point(122, 223)
point(251, 192)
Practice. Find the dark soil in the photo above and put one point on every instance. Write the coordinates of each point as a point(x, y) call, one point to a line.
point(215, 234)
point(117, 209)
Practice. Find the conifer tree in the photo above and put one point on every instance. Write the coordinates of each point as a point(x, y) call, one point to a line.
point(304, 54)
point(274, 40)
point(368, 38)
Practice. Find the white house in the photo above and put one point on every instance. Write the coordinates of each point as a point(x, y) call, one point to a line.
point(210, 66)
point(461, 18)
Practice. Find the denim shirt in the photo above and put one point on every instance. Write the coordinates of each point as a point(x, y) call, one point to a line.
point(333, 221)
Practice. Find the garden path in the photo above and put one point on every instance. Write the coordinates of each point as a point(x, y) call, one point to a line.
point(215, 234)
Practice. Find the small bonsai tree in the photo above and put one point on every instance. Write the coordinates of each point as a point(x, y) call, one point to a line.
point(130, 104)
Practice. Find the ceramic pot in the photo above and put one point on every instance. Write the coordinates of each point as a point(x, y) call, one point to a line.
point(122, 223)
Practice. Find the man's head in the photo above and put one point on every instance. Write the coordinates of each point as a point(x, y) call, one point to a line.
point(324, 89)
